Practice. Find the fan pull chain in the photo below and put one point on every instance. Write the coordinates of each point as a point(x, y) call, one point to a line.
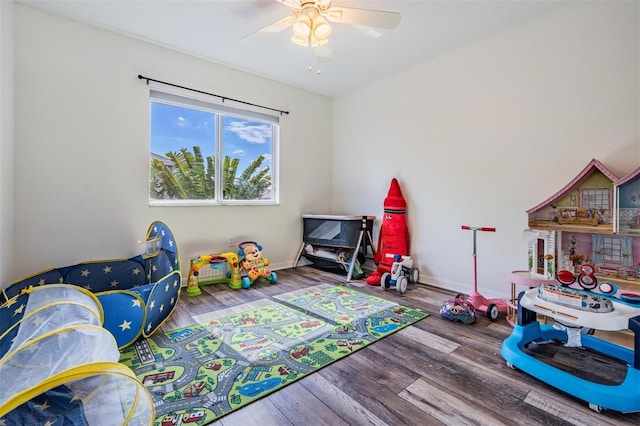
point(318, 71)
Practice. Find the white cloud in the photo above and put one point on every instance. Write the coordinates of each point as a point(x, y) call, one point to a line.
point(238, 152)
point(253, 134)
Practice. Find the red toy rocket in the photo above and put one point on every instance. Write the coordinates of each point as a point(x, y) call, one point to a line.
point(394, 234)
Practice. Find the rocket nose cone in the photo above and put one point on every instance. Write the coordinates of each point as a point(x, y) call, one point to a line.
point(394, 199)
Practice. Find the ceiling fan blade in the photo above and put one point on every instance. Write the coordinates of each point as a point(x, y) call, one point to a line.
point(290, 3)
point(276, 27)
point(366, 17)
point(279, 25)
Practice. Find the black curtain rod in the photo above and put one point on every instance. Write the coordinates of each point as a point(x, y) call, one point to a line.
point(224, 98)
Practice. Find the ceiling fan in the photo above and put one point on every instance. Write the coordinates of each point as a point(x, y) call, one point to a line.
point(310, 21)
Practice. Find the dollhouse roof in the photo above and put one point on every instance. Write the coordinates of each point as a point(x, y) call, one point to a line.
point(631, 176)
point(582, 176)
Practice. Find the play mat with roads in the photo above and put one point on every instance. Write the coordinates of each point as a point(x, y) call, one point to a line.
point(235, 356)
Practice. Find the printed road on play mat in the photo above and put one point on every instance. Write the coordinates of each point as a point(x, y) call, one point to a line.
point(237, 355)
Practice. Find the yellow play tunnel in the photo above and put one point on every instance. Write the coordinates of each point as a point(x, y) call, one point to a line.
point(60, 366)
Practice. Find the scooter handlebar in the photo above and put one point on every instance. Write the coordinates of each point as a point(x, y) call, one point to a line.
point(478, 228)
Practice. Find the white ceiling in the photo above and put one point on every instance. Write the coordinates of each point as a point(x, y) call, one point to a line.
point(216, 30)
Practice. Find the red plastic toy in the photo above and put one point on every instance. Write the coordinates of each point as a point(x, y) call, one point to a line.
point(393, 238)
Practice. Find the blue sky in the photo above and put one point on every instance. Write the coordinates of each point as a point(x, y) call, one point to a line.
point(174, 127)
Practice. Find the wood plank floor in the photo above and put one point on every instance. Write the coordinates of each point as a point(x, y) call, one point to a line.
point(436, 372)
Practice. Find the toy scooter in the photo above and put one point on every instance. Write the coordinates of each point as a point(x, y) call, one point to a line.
point(402, 273)
point(492, 307)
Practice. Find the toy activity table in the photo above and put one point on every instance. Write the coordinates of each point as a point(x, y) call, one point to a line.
point(624, 397)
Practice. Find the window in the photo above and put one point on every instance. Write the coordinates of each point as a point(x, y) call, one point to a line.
point(595, 199)
point(204, 153)
point(612, 249)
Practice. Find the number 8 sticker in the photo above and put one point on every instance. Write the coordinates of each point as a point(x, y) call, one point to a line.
point(586, 279)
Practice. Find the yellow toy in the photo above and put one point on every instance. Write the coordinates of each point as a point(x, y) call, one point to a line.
point(213, 269)
point(255, 263)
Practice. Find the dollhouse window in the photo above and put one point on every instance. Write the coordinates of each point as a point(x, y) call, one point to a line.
point(612, 249)
point(595, 198)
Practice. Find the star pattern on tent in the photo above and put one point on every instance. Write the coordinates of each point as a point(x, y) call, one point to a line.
point(41, 282)
point(48, 423)
point(154, 268)
point(126, 325)
point(18, 310)
point(136, 302)
point(149, 328)
point(114, 284)
point(3, 422)
point(175, 283)
point(44, 406)
point(166, 287)
point(136, 271)
point(170, 243)
point(107, 269)
point(61, 280)
point(172, 300)
point(88, 287)
point(11, 302)
point(161, 308)
point(152, 305)
point(85, 273)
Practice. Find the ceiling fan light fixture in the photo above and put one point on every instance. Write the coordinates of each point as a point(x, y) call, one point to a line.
point(321, 28)
point(300, 40)
point(302, 26)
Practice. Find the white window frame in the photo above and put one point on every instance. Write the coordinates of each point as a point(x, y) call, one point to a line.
point(612, 251)
point(186, 99)
point(596, 198)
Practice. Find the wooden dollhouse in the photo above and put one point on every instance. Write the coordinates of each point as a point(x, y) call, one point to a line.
point(594, 219)
point(584, 273)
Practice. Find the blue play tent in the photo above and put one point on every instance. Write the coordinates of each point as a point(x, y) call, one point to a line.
point(61, 330)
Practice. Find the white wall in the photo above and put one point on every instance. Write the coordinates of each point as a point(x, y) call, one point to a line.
point(481, 134)
point(81, 131)
point(476, 136)
point(6, 141)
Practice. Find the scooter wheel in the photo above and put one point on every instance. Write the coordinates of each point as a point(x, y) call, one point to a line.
point(493, 312)
point(385, 281)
